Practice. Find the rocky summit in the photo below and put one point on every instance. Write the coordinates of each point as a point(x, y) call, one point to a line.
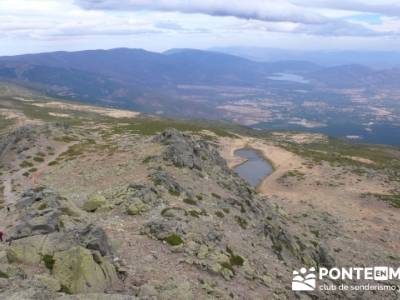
point(105, 208)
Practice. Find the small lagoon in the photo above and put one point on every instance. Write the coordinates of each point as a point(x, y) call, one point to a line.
point(255, 168)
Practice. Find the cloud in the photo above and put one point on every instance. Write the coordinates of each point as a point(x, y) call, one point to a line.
point(169, 25)
point(341, 28)
point(28, 25)
point(388, 8)
point(314, 17)
point(272, 10)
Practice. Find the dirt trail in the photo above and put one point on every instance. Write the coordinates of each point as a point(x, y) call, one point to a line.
point(9, 196)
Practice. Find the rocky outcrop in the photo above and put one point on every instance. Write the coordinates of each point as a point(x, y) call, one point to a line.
point(195, 225)
point(41, 212)
point(22, 138)
point(161, 178)
point(52, 233)
point(94, 238)
point(80, 270)
point(25, 134)
point(185, 151)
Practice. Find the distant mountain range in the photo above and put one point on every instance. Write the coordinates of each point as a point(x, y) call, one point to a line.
point(179, 82)
point(373, 59)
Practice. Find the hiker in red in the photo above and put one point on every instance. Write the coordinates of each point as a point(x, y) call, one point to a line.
point(1, 236)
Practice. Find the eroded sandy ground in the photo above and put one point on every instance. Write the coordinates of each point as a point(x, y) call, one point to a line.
point(18, 117)
point(110, 112)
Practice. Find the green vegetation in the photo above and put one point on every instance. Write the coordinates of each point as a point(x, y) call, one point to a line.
point(358, 159)
point(293, 173)
point(48, 261)
point(315, 232)
point(174, 240)
point(86, 147)
point(152, 126)
point(156, 181)
point(74, 151)
point(42, 206)
point(66, 139)
point(242, 222)
point(235, 260)
point(174, 192)
point(5, 123)
point(194, 213)
point(26, 164)
point(216, 195)
point(393, 200)
point(38, 159)
point(227, 265)
point(148, 159)
point(166, 210)
point(226, 210)
point(65, 289)
point(3, 275)
point(190, 201)
point(219, 214)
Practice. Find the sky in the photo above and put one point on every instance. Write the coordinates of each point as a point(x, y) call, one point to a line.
point(31, 26)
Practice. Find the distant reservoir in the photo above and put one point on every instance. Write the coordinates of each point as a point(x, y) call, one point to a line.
point(289, 77)
point(255, 168)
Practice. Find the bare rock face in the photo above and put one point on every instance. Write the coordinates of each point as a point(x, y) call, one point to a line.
point(77, 256)
point(81, 271)
point(196, 226)
point(94, 238)
point(184, 151)
point(41, 212)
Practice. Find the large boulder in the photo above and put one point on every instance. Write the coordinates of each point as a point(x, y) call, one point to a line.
point(81, 271)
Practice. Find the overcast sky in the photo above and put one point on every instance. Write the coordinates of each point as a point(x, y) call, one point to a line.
point(28, 26)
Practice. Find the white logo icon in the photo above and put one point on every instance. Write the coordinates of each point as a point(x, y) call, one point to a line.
point(304, 280)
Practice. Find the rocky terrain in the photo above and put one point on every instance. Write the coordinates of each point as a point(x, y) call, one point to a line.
point(111, 206)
